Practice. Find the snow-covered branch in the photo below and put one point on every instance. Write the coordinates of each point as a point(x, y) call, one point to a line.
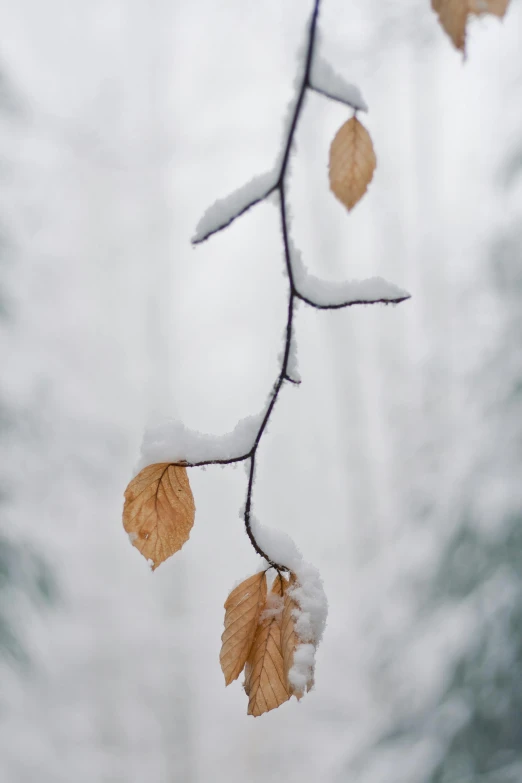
point(327, 295)
point(225, 210)
point(327, 82)
point(317, 75)
point(374, 290)
point(170, 441)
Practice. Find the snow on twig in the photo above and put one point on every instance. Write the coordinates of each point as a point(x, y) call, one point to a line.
point(327, 82)
point(309, 596)
point(225, 210)
point(328, 295)
point(171, 441)
point(313, 74)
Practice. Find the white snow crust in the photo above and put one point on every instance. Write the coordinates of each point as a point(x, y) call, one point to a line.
point(309, 595)
point(325, 292)
point(171, 441)
point(324, 79)
point(274, 607)
point(225, 210)
point(301, 675)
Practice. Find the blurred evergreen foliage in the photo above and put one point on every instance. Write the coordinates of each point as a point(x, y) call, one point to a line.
point(474, 726)
point(488, 746)
point(22, 571)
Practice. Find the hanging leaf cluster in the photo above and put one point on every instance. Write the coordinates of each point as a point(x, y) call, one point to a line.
point(260, 638)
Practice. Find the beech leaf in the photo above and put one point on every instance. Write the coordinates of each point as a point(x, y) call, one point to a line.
point(243, 608)
point(265, 681)
point(453, 15)
point(352, 162)
point(159, 511)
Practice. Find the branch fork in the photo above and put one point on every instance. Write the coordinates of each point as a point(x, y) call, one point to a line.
point(316, 74)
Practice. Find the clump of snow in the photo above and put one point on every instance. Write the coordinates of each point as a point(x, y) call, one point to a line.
point(301, 674)
point(308, 593)
point(223, 211)
point(171, 441)
point(277, 545)
point(325, 80)
point(273, 608)
point(325, 293)
point(310, 621)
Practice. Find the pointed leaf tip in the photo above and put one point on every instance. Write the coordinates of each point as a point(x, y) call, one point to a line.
point(453, 16)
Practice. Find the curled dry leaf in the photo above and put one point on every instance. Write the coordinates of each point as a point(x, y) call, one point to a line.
point(495, 7)
point(265, 681)
point(159, 511)
point(243, 608)
point(352, 162)
point(453, 15)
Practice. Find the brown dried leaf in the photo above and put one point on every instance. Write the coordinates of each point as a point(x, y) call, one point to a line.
point(159, 511)
point(453, 15)
point(352, 162)
point(265, 681)
point(243, 608)
point(495, 7)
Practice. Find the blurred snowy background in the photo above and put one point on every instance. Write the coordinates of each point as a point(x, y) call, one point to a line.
point(396, 464)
